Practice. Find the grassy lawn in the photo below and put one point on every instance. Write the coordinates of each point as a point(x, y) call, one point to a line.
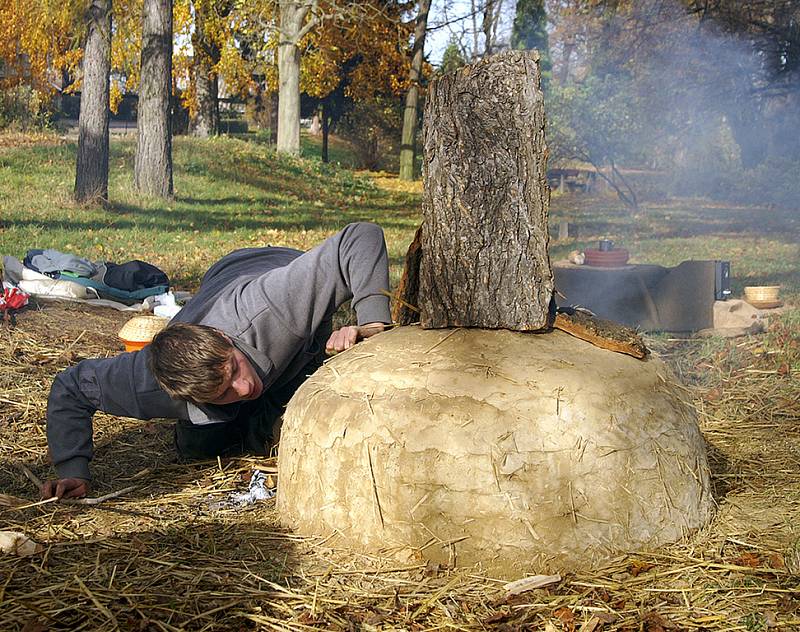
point(229, 194)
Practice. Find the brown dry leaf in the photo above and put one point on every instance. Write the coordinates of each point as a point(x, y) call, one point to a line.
point(34, 625)
point(654, 622)
point(308, 618)
point(788, 605)
point(776, 561)
point(638, 567)
point(770, 619)
point(567, 618)
point(497, 617)
point(374, 618)
point(591, 625)
point(748, 559)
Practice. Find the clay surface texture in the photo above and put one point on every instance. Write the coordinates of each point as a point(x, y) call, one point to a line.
point(518, 451)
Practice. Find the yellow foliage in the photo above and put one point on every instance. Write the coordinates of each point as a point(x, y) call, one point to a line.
point(115, 97)
point(37, 39)
point(377, 39)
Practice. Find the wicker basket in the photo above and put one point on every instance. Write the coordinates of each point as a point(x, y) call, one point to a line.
point(140, 330)
point(761, 293)
point(763, 296)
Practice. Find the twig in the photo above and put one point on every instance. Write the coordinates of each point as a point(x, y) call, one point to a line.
point(99, 499)
point(456, 330)
point(375, 486)
point(402, 302)
point(29, 475)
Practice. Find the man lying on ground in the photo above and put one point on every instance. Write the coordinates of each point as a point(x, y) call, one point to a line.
point(231, 359)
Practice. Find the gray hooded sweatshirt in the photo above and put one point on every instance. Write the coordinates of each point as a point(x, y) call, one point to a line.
point(269, 301)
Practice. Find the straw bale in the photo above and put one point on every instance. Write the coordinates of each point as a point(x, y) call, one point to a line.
point(507, 449)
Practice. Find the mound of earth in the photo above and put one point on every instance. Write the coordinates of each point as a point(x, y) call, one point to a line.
point(517, 451)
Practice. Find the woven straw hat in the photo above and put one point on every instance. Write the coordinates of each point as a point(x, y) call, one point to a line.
point(142, 328)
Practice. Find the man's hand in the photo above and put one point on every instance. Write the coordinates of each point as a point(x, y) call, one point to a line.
point(346, 337)
point(66, 488)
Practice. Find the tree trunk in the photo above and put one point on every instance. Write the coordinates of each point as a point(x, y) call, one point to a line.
point(206, 55)
point(485, 204)
point(273, 118)
point(325, 132)
point(486, 27)
point(565, 62)
point(316, 124)
point(409, 133)
point(289, 99)
point(91, 172)
point(474, 13)
point(292, 29)
point(206, 120)
point(153, 164)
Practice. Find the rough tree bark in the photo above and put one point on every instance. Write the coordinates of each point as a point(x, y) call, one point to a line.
point(91, 172)
point(326, 129)
point(406, 297)
point(153, 165)
point(206, 54)
point(485, 203)
point(409, 133)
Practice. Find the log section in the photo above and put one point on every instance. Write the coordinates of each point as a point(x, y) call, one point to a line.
point(486, 198)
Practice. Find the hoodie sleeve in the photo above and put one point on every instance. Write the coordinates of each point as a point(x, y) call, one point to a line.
point(122, 386)
point(352, 264)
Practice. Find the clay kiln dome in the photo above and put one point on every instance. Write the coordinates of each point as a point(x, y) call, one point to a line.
point(518, 451)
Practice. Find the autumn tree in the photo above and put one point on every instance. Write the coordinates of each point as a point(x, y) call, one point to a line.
point(211, 36)
point(357, 62)
point(91, 172)
point(153, 163)
point(530, 31)
point(39, 45)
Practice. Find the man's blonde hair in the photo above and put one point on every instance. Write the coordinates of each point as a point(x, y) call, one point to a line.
point(189, 361)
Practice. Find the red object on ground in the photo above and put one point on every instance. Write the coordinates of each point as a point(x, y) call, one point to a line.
point(606, 258)
point(13, 298)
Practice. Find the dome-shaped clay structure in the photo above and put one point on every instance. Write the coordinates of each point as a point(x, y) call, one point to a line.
point(519, 451)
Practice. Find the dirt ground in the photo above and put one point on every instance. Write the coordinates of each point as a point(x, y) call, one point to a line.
point(162, 558)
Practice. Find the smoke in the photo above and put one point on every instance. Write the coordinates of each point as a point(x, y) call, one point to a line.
point(714, 110)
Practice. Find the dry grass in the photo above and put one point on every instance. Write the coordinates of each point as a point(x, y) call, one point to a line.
point(159, 559)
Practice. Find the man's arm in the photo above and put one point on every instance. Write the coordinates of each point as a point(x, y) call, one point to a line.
point(74, 398)
point(122, 386)
point(352, 264)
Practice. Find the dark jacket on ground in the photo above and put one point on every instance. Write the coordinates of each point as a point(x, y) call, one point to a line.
point(269, 301)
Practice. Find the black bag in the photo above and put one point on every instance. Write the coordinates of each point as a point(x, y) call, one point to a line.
point(134, 275)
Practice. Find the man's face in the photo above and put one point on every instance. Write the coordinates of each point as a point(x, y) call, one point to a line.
point(240, 383)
